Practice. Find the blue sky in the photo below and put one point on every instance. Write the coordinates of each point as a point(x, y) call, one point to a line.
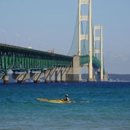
point(49, 24)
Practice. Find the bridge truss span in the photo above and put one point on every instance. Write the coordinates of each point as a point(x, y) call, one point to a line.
point(19, 59)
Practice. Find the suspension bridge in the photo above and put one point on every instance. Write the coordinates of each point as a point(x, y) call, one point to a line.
point(86, 50)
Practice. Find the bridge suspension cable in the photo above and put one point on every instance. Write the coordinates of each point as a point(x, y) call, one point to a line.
point(74, 45)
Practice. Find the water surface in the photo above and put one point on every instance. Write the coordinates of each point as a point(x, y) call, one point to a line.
point(108, 107)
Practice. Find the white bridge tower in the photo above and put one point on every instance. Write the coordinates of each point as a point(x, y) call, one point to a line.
point(99, 50)
point(85, 36)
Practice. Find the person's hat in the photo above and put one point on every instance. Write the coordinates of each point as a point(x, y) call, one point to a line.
point(66, 95)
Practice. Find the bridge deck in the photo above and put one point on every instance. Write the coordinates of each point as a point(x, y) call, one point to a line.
point(25, 59)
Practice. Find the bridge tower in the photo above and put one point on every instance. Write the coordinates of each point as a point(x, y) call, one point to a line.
point(85, 36)
point(100, 49)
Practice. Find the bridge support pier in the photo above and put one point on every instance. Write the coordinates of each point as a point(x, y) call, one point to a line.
point(53, 75)
point(59, 74)
point(21, 77)
point(94, 75)
point(6, 79)
point(69, 75)
point(64, 74)
point(49, 75)
point(37, 76)
point(106, 76)
point(74, 73)
point(76, 69)
point(90, 77)
point(90, 67)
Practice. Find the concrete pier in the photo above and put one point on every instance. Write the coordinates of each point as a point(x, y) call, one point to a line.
point(37, 76)
point(6, 79)
point(47, 76)
point(76, 69)
point(64, 74)
point(53, 75)
point(74, 73)
point(21, 78)
point(59, 74)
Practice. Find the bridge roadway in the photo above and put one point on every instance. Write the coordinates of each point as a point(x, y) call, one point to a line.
point(26, 63)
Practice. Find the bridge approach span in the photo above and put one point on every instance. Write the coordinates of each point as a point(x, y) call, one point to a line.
point(25, 60)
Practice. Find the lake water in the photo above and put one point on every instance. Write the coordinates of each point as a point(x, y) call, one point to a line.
point(99, 106)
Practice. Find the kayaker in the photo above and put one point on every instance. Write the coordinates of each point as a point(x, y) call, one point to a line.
point(66, 98)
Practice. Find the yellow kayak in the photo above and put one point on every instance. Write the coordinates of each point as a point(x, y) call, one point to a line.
point(53, 101)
